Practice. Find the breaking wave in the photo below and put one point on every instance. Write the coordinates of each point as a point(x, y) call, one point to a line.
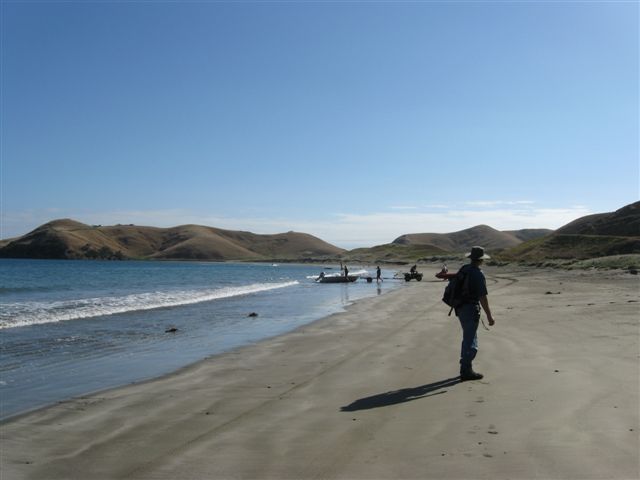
point(35, 313)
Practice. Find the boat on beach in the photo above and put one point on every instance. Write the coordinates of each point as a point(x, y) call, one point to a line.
point(337, 278)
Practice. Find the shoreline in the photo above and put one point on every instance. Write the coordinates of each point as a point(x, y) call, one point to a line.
point(13, 406)
point(232, 351)
point(371, 393)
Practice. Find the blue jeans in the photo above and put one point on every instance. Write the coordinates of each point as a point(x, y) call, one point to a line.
point(469, 316)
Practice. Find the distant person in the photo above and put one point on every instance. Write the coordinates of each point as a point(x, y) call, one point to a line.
point(346, 271)
point(413, 269)
point(474, 296)
point(378, 274)
point(320, 277)
point(444, 274)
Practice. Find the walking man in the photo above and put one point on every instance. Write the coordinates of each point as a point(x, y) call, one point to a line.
point(378, 274)
point(474, 296)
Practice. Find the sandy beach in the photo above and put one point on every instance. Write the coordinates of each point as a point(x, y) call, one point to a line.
point(372, 393)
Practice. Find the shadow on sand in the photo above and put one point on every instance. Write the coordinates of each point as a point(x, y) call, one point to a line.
point(401, 396)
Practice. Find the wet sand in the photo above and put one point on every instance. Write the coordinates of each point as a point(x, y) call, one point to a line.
point(372, 393)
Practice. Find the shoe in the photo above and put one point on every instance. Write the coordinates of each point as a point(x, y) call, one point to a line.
point(470, 375)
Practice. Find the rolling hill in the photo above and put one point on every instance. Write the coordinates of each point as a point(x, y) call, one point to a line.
point(392, 253)
point(593, 236)
point(624, 222)
point(527, 234)
point(414, 247)
point(488, 237)
point(69, 239)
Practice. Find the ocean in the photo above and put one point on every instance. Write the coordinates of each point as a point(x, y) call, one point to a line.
point(69, 328)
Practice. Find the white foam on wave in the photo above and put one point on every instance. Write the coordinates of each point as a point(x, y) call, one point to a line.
point(35, 313)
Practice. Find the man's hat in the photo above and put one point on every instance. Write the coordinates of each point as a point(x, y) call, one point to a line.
point(477, 253)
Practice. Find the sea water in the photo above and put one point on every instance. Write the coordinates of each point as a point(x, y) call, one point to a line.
point(72, 327)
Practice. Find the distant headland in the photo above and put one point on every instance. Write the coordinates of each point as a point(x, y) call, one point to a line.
point(594, 236)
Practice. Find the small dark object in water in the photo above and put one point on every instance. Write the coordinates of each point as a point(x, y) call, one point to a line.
point(253, 314)
point(369, 280)
point(171, 330)
point(633, 271)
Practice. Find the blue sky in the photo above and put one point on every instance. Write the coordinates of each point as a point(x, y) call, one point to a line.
point(354, 121)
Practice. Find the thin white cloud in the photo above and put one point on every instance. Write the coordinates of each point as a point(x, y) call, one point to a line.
point(377, 228)
point(403, 207)
point(496, 203)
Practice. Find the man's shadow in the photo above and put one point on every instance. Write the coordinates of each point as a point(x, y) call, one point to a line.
point(401, 396)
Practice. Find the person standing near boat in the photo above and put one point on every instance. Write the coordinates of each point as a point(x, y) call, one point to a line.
point(378, 274)
point(346, 270)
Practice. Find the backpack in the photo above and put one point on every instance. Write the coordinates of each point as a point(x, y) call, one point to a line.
point(457, 290)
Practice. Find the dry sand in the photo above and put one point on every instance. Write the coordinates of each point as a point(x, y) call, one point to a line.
point(372, 394)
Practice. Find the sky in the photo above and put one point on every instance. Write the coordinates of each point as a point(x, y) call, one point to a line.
point(356, 122)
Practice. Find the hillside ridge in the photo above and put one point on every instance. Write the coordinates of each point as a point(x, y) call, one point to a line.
point(592, 236)
point(462, 240)
point(69, 239)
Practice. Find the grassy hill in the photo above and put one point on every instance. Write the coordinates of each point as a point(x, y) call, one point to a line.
point(624, 222)
point(68, 239)
point(577, 247)
point(414, 247)
point(527, 234)
point(614, 235)
point(392, 253)
point(462, 241)
point(600, 235)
